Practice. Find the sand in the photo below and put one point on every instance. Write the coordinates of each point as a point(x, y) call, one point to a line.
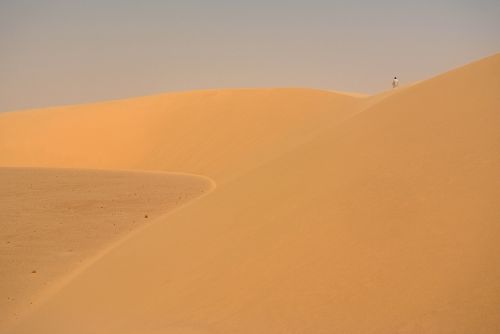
point(56, 221)
point(333, 213)
point(219, 134)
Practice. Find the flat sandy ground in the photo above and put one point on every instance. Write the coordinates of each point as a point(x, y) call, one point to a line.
point(54, 221)
point(332, 213)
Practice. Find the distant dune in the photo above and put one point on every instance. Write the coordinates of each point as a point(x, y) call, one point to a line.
point(220, 134)
point(332, 214)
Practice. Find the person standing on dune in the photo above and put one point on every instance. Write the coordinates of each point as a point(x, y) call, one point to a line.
point(395, 82)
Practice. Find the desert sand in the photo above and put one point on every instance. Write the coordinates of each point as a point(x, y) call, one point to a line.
point(56, 221)
point(307, 212)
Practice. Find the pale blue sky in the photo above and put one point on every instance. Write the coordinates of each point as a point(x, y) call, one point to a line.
point(55, 52)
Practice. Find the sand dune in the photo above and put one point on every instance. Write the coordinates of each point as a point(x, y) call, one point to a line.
point(332, 214)
point(219, 134)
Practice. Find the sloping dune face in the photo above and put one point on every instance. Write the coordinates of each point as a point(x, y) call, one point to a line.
point(381, 219)
point(219, 134)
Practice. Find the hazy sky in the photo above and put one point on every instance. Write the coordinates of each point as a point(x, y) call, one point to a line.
point(56, 52)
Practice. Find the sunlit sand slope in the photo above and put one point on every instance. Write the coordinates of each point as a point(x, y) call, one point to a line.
point(220, 133)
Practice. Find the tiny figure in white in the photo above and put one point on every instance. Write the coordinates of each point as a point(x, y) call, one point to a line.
point(395, 82)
